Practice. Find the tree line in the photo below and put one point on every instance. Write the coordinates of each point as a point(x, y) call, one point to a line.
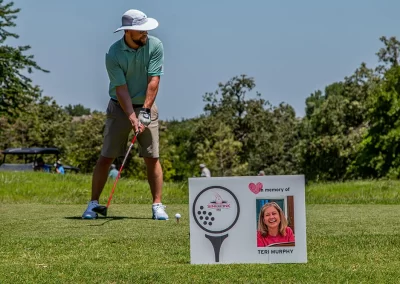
point(350, 130)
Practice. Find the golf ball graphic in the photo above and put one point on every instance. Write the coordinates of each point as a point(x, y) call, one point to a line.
point(206, 217)
point(216, 209)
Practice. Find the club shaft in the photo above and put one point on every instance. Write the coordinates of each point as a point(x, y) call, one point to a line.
point(120, 170)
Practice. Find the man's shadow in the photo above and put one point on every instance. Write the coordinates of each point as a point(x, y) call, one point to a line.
point(106, 219)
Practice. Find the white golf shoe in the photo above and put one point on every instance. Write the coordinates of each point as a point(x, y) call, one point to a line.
point(159, 212)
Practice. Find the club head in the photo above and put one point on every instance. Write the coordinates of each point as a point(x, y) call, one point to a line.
point(101, 210)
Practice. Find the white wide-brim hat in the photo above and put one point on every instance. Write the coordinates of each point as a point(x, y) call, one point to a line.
point(138, 21)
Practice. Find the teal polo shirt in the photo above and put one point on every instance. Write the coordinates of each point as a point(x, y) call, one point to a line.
point(133, 66)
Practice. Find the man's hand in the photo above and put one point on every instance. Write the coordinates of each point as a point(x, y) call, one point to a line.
point(144, 116)
point(137, 126)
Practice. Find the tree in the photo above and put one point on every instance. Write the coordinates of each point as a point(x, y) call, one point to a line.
point(273, 143)
point(379, 155)
point(390, 53)
point(266, 135)
point(77, 110)
point(84, 141)
point(43, 124)
point(334, 125)
point(177, 148)
point(229, 103)
point(314, 102)
point(16, 89)
point(219, 150)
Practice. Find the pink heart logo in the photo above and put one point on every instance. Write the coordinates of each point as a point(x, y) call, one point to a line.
point(255, 188)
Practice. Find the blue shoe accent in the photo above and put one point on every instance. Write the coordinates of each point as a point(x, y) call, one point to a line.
point(89, 213)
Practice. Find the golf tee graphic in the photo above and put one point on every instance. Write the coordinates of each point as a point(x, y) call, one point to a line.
point(216, 210)
point(225, 219)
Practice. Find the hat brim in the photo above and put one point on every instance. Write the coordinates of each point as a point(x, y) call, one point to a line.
point(151, 24)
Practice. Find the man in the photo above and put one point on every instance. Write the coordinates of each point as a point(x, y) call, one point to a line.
point(205, 172)
point(113, 172)
point(134, 65)
point(59, 167)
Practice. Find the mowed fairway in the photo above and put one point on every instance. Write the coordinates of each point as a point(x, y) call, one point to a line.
point(49, 243)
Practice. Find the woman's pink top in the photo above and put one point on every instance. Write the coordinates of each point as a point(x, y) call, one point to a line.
point(269, 240)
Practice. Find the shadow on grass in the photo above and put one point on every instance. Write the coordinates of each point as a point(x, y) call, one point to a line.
point(106, 219)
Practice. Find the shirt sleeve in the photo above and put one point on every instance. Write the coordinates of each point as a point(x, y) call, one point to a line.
point(156, 62)
point(260, 242)
point(115, 73)
point(290, 234)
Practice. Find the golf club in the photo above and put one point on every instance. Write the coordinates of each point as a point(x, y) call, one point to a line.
point(103, 209)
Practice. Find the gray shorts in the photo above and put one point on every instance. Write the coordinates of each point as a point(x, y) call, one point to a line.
point(117, 130)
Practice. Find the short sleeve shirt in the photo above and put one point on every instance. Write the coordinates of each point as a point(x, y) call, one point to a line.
point(269, 240)
point(133, 67)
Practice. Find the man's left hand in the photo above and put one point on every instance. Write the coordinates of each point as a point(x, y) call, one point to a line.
point(144, 116)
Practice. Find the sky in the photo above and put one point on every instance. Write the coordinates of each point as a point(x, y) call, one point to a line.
point(291, 48)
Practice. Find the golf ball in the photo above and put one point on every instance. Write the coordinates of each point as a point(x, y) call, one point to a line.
point(177, 216)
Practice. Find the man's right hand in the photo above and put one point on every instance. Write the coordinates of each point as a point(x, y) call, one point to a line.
point(137, 127)
point(126, 104)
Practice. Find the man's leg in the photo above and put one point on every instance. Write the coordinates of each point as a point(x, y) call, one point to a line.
point(155, 178)
point(116, 133)
point(99, 179)
point(100, 176)
point(149, 150)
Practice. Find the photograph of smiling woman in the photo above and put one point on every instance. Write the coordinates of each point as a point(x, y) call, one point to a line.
point(273, 226)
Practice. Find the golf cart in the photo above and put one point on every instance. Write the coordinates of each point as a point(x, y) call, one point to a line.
point(33, 160)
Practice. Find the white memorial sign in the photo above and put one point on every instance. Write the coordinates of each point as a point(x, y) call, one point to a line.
point(226, 225)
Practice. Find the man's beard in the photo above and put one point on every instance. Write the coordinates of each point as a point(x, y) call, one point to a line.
point(139, 42)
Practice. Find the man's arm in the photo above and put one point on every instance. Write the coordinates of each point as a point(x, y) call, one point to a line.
point(155, 70)
point(152, 90)
point(124, 100)
point(151, 93)
point(117, 78)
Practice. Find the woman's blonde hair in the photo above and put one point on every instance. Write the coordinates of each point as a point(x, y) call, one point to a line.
point(261, 225)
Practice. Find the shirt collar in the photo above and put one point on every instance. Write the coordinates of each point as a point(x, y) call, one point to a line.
point(125, 47)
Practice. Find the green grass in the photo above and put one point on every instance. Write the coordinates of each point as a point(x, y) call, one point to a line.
point(355, 192)
point(50, 244)
point(75, 189)
point(43, 239)
point(44, 188)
